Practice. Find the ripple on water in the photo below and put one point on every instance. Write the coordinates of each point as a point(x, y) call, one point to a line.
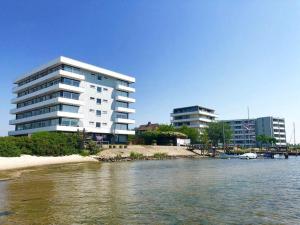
point(182, 191)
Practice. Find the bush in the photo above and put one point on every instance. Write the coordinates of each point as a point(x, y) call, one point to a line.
point(135, 155)
point(54, 144)
point(8, 147)
point(160, 155)
point(92, 148)
point(85, 153)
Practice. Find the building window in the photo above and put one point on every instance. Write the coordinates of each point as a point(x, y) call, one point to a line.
point(98, 101)
point(122, 93)
point(98, 124)
point(98, 113)
point(120, 126)
point(105, 89)
point(104, 112)
point(92, 110)
point(99, 77)
point(92, 86)
point(99, 89)
point(91, 123)
point(104, 124)
point(105, 100)
point(92, 98)
point(122, 104)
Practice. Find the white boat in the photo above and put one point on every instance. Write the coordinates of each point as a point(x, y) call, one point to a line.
point(279, 156)
point(248, 156)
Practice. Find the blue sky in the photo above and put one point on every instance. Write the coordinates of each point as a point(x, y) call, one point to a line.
point(225, 55)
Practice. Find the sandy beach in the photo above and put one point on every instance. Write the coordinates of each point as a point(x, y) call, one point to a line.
point(146, 150)
point(25, 161)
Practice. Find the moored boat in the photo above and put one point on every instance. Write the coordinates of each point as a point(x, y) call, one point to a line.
point(248, 156)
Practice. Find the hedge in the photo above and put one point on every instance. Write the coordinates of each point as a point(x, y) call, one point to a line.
point(43, 144)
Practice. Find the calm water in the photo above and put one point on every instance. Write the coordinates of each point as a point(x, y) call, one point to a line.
point(183, 191)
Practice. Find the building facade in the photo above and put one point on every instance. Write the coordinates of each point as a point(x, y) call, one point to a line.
point(68, 95)
point(193, 116)
point(245, 131)
point(272, 127)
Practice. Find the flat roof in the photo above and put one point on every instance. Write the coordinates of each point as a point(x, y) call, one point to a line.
point(194, 106)
point(76, 63)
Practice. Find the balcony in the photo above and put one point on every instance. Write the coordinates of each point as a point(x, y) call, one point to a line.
point(125, 110)
point(48, 102)
point(125, 99)
point(199, 112)
point(51, 128)
point(56, 74)
point(47, 115)
point(125, 88)
point(126, 121)
point(47, 90)
point(191, 119)
point(128, 132)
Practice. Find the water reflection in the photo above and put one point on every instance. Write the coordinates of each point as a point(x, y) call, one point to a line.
point(181, 191)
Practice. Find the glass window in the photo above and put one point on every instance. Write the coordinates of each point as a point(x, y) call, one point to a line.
point(99, 77)
point(98, 113)
point(122, 104)
point(99, 89)
point(92, 98)
point(120, 126)
point(98, 124)
point(122, 93)
point(92, 86)
point(98, 101)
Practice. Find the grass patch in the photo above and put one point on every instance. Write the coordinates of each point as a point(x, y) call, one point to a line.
point(136, 155)
point(85, 153)
point(160, 155)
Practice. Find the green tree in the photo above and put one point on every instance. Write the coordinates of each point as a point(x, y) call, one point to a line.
point(217, 131)
point(166, 128)
point(191, 133)
point(204, 139)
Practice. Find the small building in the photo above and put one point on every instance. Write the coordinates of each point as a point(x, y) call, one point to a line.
point(193, 116)
point(147, 127)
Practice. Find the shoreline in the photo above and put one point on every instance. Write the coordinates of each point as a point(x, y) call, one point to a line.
point(27, 161)
point(107, 155)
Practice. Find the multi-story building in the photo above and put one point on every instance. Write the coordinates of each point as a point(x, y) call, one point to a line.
point(193, 116)
point(68, 95)
point(272, 127)
point(245, 131)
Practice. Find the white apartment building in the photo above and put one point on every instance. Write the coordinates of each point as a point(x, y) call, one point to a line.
point(68, 95)
point(193, 116)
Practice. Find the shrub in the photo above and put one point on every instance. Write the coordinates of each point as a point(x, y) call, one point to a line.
point(8, 147)
point(135, 155)
point(54, 144)
point(160, 155)
point(92, 148)
point(85, 153)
